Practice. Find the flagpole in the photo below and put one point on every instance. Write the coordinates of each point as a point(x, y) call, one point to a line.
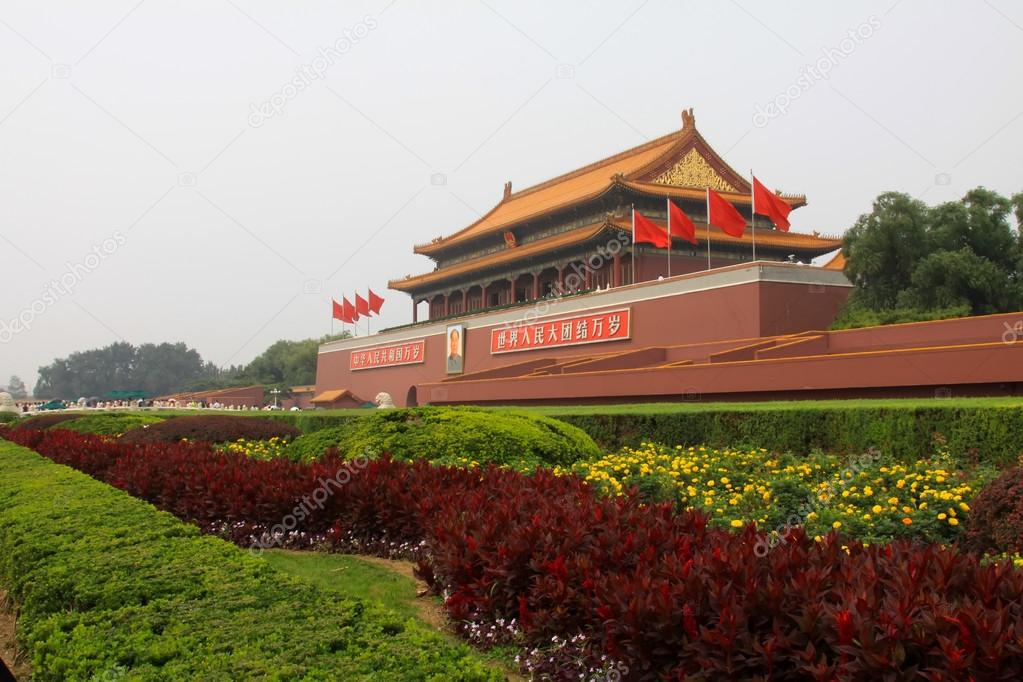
point(667, 207)
point(708, 228)
point(753, 212)
point(634, 268)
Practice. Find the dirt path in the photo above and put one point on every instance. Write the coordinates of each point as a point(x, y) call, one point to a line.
point(8, 647)
point(430, 610)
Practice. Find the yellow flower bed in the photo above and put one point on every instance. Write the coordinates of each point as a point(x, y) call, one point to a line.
point(273, 448)
point(865, 497)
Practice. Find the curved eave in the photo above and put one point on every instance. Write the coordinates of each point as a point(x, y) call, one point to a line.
point(506, 256)
point(699, 193)
point(670, 142)
point(647, 188)
point(806, 243)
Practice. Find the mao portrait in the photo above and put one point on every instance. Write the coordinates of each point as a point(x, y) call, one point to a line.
point(456, 346)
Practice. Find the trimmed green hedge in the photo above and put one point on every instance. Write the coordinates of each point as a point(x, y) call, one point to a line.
point(451, 434)
point(109, 588)
point(110, 424)
point(8, 417)
point(993, 434)
point(310, 422)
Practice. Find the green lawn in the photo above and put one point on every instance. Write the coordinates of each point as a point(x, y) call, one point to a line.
point(354, 576)
point(386, 582)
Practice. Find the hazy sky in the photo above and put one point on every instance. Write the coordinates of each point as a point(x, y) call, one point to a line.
point(213, 171)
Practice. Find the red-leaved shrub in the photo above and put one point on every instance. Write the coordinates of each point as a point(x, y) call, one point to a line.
point(996, 515)
point(217, 428)
point(658, 591)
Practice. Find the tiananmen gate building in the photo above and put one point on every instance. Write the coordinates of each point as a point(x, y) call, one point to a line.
point(545, 299)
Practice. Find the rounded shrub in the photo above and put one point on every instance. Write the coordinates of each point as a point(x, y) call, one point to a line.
point(8, 417)
point(210, 428)
point(45, 421)
point(995, 523)
point(111, 424)
point(454, 435)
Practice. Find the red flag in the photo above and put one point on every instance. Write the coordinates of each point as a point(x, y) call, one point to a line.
point(350, 312)
point(680, 224)
point(338, 311)
point(645, 231)
point(375, 302)
point(361, 305)
point(771, 205)
point(722, 214)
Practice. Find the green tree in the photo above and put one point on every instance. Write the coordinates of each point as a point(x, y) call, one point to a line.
point(882, 249)
point(946, 279)
point(909, 262)
point(16, 387)
point(154, 368)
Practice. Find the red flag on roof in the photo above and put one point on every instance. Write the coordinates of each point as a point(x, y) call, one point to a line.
point(350, 312)
point(771, 205)
point(375, 302)
point(361, 305)
point(722, 214)
point(646, 231)
point(338, 311)
point(679, 223)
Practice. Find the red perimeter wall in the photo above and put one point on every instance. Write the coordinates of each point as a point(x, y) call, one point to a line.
point(746, 310)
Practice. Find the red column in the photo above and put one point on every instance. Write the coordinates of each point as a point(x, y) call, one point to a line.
point(415, 310)
point(447, 299)
point(588, 279)
point(616, 277)
point(511, 290)
point(483, 296)
point(561, 279)
point(465, 300)
point(536, 285)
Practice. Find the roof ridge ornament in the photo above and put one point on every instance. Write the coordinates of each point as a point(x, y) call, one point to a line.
point(688, 119)
point(507, 189)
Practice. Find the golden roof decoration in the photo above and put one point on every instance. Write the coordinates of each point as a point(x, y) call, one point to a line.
point(692, 170)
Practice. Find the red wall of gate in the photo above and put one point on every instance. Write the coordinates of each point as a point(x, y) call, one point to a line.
point(748, 310)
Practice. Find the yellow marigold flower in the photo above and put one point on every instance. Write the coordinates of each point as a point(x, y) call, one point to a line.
point(736, 523)
point(942, 516)
point(964, 506)
point(907, 521)
point(893, 500)
point(836, 525)
point(953, 521)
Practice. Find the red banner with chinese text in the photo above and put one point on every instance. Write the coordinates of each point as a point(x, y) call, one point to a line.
point(407, 353)
point(613, 325)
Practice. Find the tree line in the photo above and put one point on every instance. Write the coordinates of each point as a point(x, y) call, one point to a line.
point(909, 261)
point(166, 368)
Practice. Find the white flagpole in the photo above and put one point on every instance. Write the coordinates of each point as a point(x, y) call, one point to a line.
point(708, 228)
point(667, 206)
point(634, 269)
point(753, 212)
